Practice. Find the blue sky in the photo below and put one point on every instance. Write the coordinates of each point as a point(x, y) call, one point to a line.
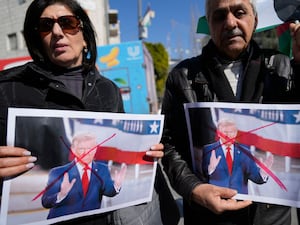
point(172, 25)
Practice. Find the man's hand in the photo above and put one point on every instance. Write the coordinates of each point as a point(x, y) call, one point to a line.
point(120, 176)
point(65, 187)
point(217, 199)
point(268, 163)
point(295, 33)
point(213, 162)
point(14, 161)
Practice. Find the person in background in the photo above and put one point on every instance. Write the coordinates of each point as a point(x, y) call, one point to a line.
point(231, 68)
point(61, 41)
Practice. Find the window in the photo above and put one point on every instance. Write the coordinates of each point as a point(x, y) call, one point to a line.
point(22, 2)
point(12, 42)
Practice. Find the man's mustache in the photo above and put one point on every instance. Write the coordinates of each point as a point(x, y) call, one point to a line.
point(232, 33)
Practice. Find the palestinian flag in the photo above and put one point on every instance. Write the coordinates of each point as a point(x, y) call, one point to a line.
point(284, 39)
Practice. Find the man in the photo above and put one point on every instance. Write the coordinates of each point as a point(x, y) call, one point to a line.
point(256, 76)
point(79, 185)
point(227, 163)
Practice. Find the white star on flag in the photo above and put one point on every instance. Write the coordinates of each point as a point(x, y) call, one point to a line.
point(98, 121)
point(297, 116)
point(238, 110)
point(154, 127)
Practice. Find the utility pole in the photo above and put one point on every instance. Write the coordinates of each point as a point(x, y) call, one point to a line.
point(139, 10)
point(140, 17)
point(144, 20)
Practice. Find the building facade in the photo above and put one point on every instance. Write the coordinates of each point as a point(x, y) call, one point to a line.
point(12, 14)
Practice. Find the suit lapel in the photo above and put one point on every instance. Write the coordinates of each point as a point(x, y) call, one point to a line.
point(219, 152)
point(236, 158)
point(94, 174)
point(74, 173)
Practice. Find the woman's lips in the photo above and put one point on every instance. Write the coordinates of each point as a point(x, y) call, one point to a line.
point(60, 47)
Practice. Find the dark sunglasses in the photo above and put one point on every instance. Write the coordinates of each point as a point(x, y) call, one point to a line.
point(68, 24)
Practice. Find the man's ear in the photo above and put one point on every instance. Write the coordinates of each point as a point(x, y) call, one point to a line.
point(255, 23)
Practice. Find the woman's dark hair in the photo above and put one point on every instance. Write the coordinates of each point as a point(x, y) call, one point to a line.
point(33, 38)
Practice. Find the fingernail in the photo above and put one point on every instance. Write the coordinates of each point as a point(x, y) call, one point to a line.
point(153, 147)
point(32, 159)
point(149, 153)
point(30, 165)
point(26, 153)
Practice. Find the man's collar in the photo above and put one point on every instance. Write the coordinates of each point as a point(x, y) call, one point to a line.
point(210, 50)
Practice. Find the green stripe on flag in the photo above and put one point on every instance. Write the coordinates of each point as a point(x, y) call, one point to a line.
point(284, 39)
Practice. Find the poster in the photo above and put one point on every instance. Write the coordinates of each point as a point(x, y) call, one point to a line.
point(264, 142)
point(109, 146)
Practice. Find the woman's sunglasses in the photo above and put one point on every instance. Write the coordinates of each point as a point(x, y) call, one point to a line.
point(69, 24)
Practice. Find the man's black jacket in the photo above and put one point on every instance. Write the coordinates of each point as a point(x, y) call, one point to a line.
point(267, 78)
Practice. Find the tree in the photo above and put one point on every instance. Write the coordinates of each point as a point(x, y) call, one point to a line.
point(160, 59)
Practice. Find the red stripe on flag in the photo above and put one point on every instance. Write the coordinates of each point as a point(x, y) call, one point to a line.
point(273, 146)
point(282, 28)
point(106, 153)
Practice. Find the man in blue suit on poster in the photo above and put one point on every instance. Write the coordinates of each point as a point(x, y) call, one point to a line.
point(80, 185)
point(227, 163)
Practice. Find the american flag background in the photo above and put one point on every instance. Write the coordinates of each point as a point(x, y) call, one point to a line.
point(266, 129)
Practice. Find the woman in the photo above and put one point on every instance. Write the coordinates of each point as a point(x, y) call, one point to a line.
point(61, 41)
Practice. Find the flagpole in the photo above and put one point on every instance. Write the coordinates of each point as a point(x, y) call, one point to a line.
point(144, 20)
point(139, 10)
point(139, 19)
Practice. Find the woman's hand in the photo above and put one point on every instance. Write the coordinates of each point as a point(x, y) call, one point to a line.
point(14, 161)
point(156, 151)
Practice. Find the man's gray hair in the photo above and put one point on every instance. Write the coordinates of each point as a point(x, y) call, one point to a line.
point(83, 136)
point(252, 2)
point(225, 121)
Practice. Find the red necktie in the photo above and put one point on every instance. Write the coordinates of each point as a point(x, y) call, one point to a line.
point(229, 159)
point(85, 181)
